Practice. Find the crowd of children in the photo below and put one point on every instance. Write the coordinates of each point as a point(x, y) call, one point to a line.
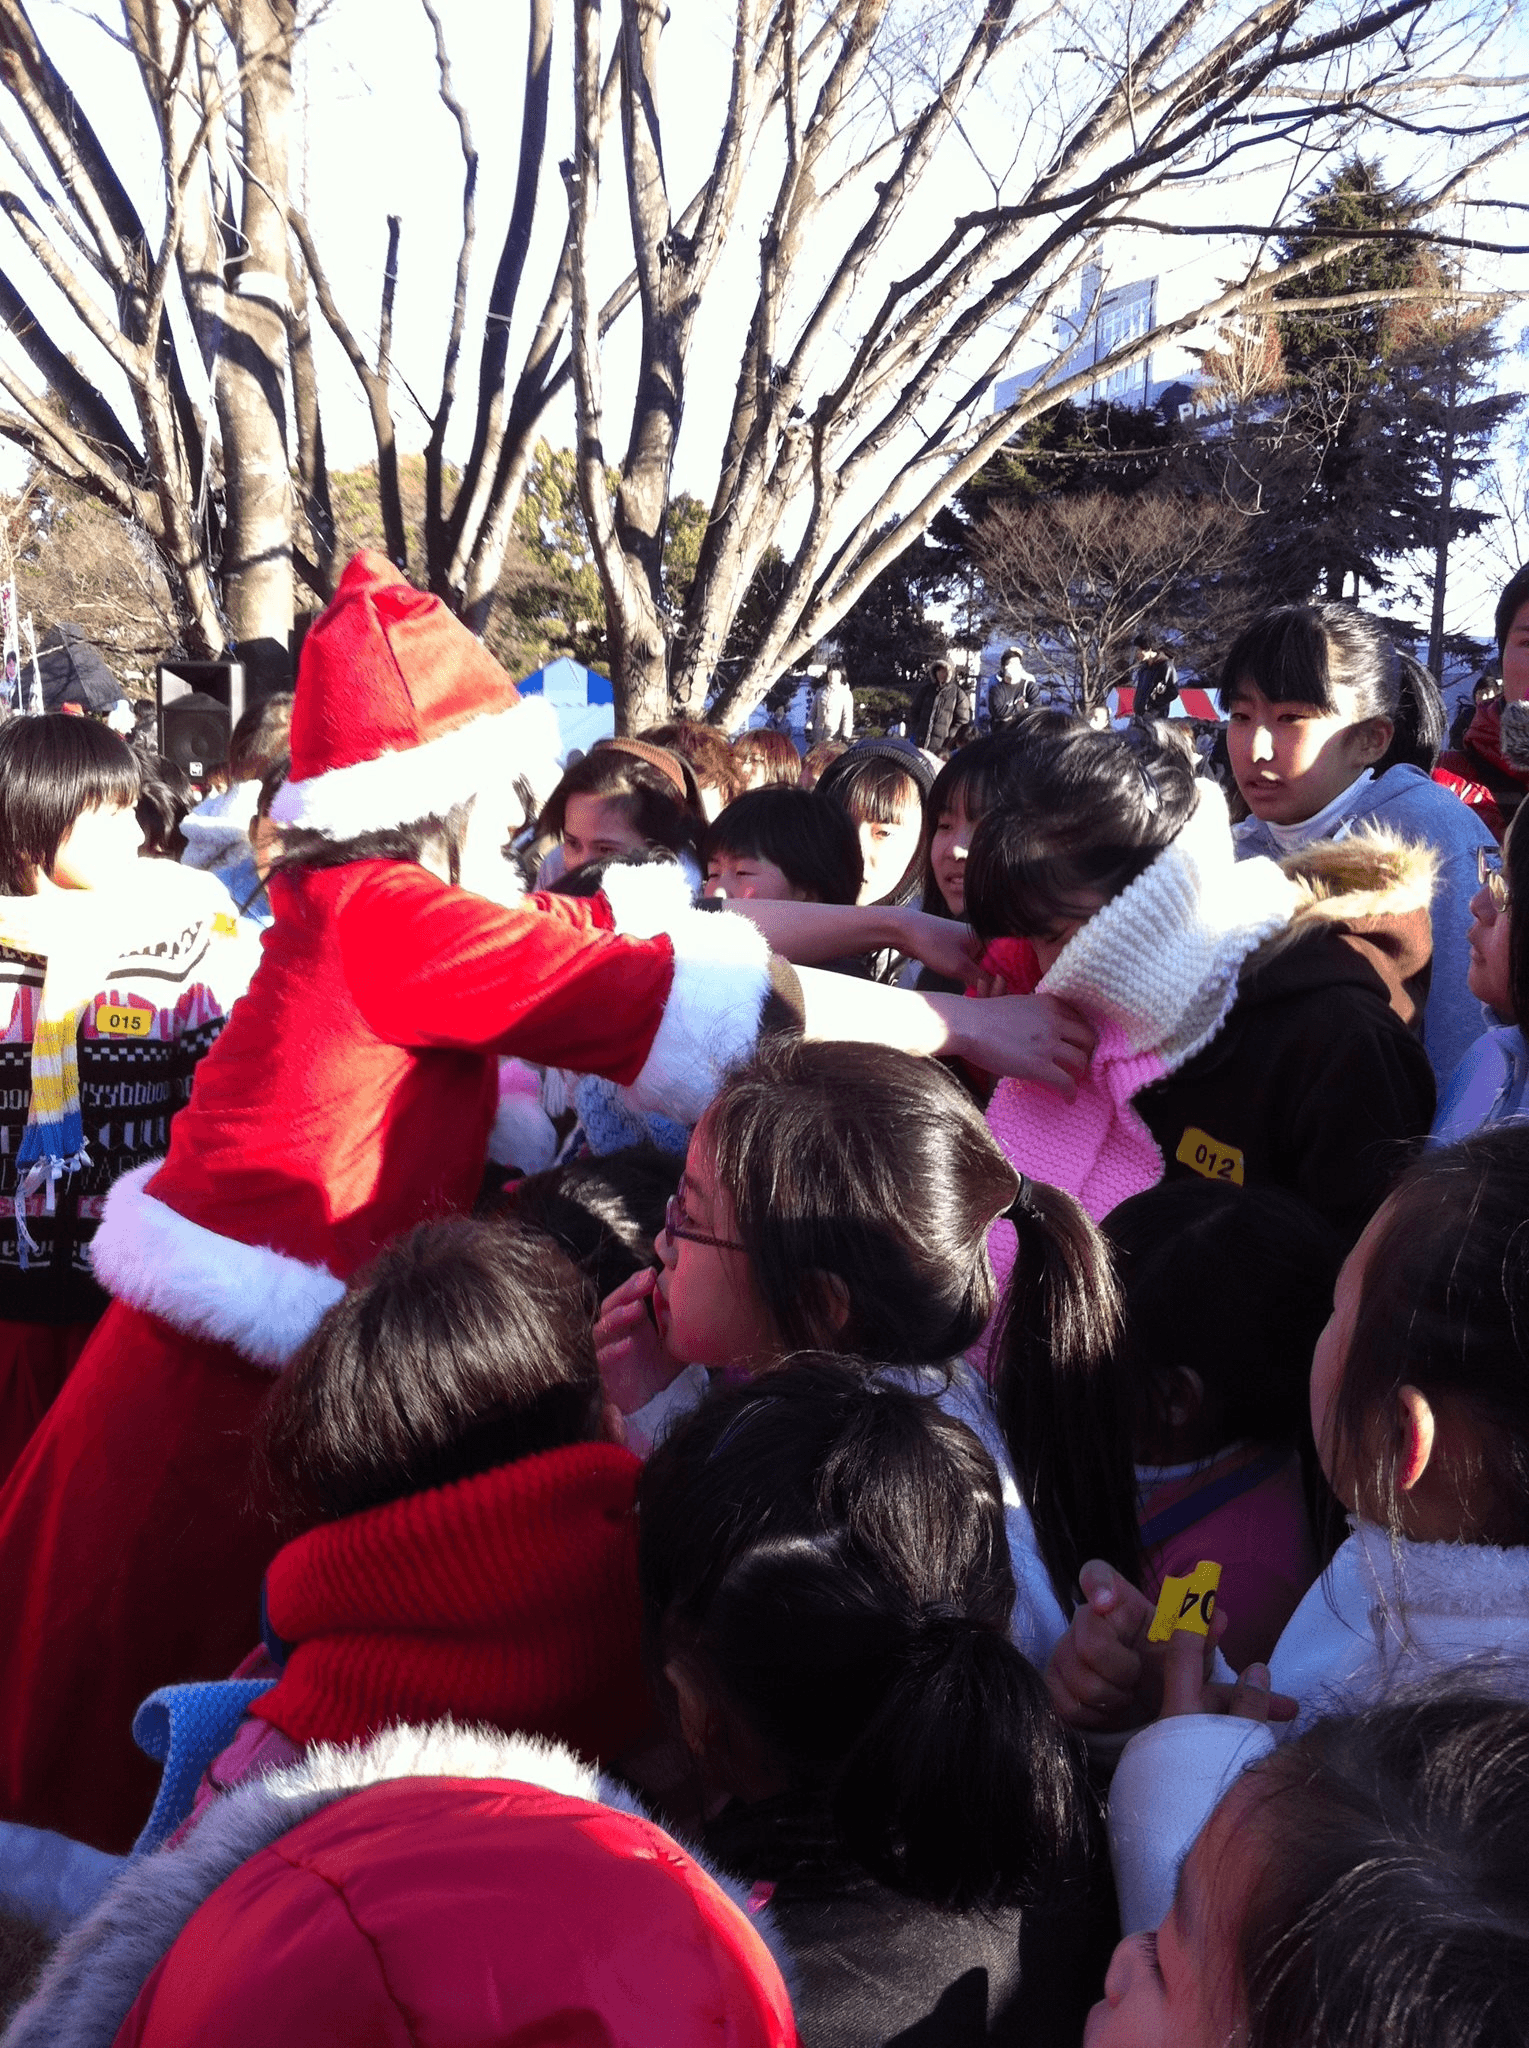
point(603, 1436)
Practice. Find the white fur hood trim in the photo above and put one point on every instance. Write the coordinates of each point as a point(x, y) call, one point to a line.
point(98, 1970)
point(261, 1301)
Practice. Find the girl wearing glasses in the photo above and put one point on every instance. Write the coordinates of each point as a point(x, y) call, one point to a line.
point(1491, 1083)
point(840, 1198)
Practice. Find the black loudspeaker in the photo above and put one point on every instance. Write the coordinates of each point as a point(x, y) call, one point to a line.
point(199, 704)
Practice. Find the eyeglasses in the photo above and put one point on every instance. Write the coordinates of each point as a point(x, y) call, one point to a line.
point(1491, 877)
point(676, 1222)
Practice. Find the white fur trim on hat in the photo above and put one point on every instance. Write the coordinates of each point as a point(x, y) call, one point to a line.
point(261, 1301)
point(711, 1020)
point(395, 788)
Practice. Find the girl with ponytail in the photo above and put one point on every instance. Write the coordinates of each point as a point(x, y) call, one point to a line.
point(840, 1198)
point(826, 1592)
point(1331, 731)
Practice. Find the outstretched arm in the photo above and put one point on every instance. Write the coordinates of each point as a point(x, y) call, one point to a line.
point(1032, 1038)
point(811, 934)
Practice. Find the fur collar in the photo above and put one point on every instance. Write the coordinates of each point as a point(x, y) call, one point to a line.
point(100, 1967)
point(1369, 875)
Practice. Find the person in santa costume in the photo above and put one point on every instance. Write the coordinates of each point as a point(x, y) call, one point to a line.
point(349, 1098)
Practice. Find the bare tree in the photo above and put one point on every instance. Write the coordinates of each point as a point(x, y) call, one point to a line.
point(213, 492)
point(863, 395)
point(1083, 575)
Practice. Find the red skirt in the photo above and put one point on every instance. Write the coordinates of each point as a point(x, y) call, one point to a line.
point(35, 1360)
point(132, 1547)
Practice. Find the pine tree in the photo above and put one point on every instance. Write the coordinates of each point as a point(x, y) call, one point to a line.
point(1369, 480)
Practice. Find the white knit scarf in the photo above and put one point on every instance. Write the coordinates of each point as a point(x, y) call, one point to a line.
point(1161, 960)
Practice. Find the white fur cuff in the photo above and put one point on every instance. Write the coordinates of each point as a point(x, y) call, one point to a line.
point(261, 1301)
point(711, 1020)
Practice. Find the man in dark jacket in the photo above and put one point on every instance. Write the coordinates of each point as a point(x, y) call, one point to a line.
point(1012, 692)
point(1155, 680)
point(935, 710)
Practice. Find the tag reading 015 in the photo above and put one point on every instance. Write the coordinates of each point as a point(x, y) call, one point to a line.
point(1186, 1603)
point(124, 1020)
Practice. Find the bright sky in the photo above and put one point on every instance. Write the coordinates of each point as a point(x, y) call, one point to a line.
point(378, 140)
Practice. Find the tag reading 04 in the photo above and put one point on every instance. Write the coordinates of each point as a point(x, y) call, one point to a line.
point(124, 1020)
point(1186, 1603)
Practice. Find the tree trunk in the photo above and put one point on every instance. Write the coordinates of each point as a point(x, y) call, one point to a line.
point(1442, 522)
point(252, 370)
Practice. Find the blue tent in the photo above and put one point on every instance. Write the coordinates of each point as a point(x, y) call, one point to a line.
point(583, 700)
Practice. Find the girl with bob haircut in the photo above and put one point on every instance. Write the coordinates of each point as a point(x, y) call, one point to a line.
point(783, 845)
point(882, 785)
point(1331, 732)
point(826, 1592)
point(1253, 1016)
point(623, 796)
point(839, 1198)
point(1489, 1086)
point(1420, 1410)
point(463, 1541)
point(115, 976)
point(1364, 1887)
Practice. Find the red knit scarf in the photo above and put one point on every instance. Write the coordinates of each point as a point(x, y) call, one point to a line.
point(509, 1598)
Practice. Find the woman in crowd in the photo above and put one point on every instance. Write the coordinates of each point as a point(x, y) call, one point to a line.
point(709, 757)
point(1254, 1018)
point(104, 1029)
point(1331, 732)
point(826, 1593)
point(623, 797)
point(765, 758)
point(1488, 1086)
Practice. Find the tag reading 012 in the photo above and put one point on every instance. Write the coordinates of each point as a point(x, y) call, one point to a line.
point(1202, 1153)
point(1186, 1603)
point(124, 1020)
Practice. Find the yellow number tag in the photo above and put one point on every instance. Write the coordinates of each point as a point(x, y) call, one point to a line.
point(124, 1020)
point(1186, 1603)
point(1205, 1154)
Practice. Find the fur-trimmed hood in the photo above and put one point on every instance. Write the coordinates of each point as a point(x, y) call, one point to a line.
point(1373, 890)
point(102, 1965)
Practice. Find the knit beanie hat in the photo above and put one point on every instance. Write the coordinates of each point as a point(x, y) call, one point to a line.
point(908, 757)
point(400, 713)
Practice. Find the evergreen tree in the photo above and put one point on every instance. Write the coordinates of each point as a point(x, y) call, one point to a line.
point(1369, 480)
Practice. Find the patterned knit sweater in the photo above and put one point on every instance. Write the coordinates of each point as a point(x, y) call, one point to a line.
point(159, 1007)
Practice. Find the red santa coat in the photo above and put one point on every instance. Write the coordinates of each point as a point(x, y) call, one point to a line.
point(348, 1099)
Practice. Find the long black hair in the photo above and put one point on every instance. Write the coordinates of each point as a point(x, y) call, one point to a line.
point(982, 776)
point(864, 1183)
point(830, 1550)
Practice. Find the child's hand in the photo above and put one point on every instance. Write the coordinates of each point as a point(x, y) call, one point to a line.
point(634, 1365)
point(1188, 1690)
point(1101, 1674)
point(1032, 1038)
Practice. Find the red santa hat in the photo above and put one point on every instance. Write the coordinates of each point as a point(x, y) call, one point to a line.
point(400, 714)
